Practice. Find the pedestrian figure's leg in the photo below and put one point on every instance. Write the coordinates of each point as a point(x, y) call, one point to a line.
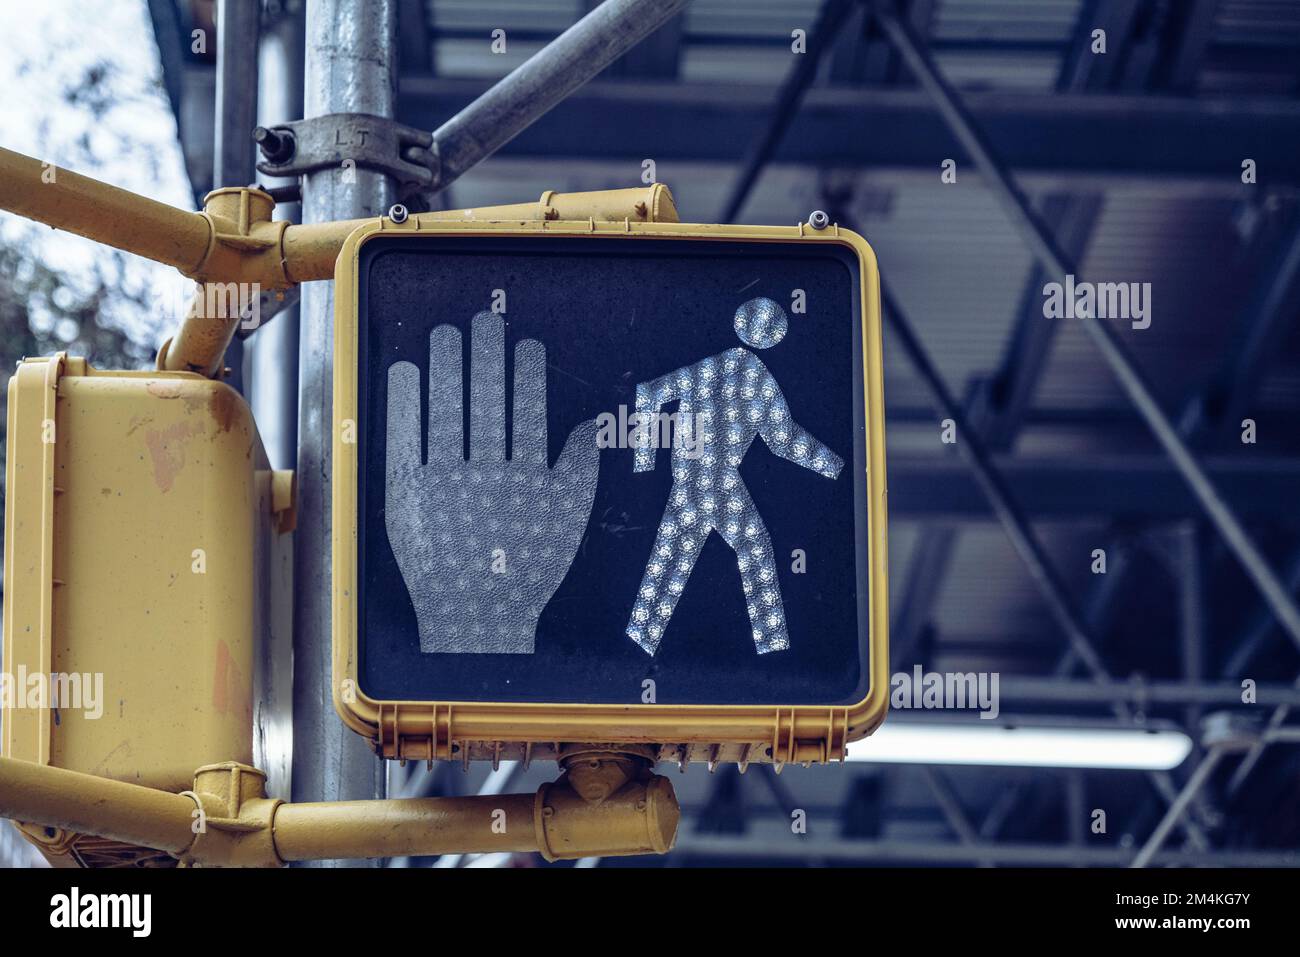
point(744, 531)
point(677, 546)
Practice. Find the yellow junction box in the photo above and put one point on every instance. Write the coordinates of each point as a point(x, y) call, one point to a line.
point(143, 530)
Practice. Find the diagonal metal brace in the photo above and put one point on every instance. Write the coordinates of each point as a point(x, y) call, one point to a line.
point(298, 147)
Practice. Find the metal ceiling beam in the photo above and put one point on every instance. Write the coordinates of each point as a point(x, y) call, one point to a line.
point(1180, 65)
point(802, 71)
point(1033, 131)
point(1261, 626)
point(950, 804)
point(1269, 314)
point(1085, 71)
point(1214, 412)
point(1016, 691)
point(940, 487)
point(993, 487)
point(1023, 540)
point(1044, 247)
point(937, 852)
point(1199, 778)
point(998, 411)
point(998, 407)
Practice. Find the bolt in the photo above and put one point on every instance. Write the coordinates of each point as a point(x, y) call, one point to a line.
point(397, 213)
point(276, 145)
point(818, 219)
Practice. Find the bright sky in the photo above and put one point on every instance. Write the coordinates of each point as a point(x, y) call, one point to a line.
point(46, 47)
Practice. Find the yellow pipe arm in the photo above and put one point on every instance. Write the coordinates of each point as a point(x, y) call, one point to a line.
point(604, 805)
point(235, 239)
point(116, 217)
point(405, 827)
point(310, 250)
point(86, 804)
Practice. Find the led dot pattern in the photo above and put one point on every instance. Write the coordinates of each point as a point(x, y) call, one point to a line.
point(731, 398)
point(482, 544)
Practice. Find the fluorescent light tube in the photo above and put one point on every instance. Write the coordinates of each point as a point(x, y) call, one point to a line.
point(934, 743)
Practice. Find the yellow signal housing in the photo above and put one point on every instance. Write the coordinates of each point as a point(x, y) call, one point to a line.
point(144, 529)
point(776, 734)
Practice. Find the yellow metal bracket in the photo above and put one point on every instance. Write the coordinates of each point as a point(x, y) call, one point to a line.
point(235, 240)
point(606, 804)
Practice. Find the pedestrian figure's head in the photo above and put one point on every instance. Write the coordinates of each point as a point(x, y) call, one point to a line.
point(760, 323)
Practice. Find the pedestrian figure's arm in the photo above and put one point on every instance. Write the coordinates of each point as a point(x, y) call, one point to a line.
point(790, 440)
point(650, 398)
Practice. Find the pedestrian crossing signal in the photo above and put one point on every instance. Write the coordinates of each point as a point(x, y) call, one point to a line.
point(609, 482)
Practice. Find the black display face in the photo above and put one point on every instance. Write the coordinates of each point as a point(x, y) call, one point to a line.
point(729, 566)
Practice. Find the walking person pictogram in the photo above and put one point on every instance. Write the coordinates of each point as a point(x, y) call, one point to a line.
point(730, 398)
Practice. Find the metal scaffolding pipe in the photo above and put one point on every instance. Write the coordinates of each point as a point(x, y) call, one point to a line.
point(238, 25)
point(1022, 538)
point(273, 364)
point(796, 83)
point(1176, 810)
point(1139, 694)
point(350, 65)
point(1043, 245)
point(546, 78)
point(236, 106)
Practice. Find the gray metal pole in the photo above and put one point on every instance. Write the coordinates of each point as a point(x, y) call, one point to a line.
point(272, 391)
point(546, 78)
point(236, 111)
point(273, 362)
point(350, 67)
point(1043, 245)
point(236, 107)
